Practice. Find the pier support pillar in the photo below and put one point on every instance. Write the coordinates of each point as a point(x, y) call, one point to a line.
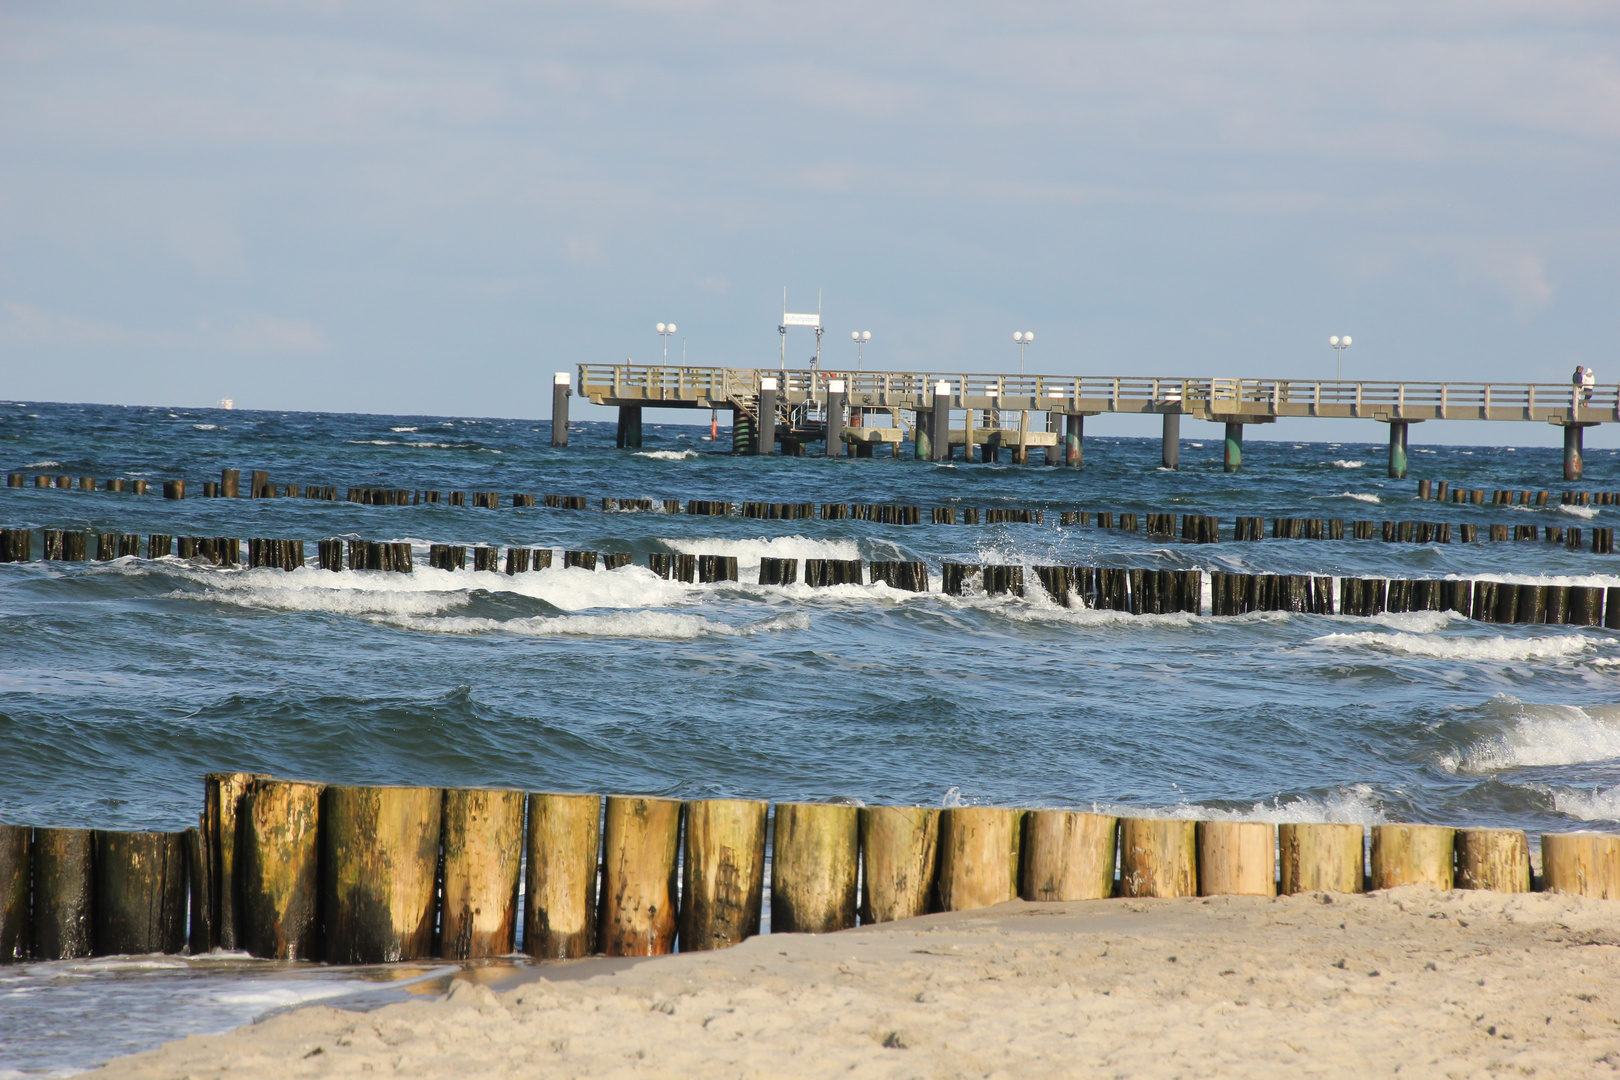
point(629, 427)
point(1170, 455)
point(1574, 446)
point(940, 436)
point(835, 418)
point(1073, 436)
point(767, 416)
point(1234, 447)
point(922, 438)
point(559, 408)
point(1397, 449)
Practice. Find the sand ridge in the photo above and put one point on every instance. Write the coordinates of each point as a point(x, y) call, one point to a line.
point(1409, 982)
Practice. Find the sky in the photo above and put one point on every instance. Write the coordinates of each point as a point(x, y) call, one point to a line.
point(423, 207)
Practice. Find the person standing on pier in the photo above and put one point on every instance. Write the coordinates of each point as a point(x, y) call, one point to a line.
point(1586, 379)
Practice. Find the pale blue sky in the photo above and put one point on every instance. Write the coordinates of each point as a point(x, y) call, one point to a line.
point(422, 207)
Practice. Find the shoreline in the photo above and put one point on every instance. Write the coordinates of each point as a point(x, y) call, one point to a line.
point(1427, 983)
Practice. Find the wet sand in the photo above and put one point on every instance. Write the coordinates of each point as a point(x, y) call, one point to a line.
point(1409, 981)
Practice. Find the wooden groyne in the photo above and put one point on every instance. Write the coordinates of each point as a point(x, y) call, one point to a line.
point(16, 545)
point(355, 874)
point(1131, 590)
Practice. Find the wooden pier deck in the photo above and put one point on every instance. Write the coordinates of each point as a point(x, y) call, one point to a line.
point(1234, 402)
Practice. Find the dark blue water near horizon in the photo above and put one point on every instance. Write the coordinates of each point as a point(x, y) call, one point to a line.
point(122, 683)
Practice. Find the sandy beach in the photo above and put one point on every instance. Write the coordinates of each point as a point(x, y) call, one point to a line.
point(1408, 981)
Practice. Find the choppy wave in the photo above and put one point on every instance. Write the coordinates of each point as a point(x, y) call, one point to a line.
point(667, 455)
point(429, 591)
point(1341, 463)
point(664, 625)
point(1543, 735)
point(1587, 512)
point(1357, 804)
point(1595, 805)
point(1360, 496)
point(749, 552)
point(1491, 649)
point(206, 427)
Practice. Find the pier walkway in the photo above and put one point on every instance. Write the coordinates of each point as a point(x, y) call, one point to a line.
point(799, 406)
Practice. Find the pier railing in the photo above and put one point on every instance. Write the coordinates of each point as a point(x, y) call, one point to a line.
point(1211, 398)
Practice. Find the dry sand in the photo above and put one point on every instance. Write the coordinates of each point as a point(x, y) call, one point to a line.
point(1409, 981)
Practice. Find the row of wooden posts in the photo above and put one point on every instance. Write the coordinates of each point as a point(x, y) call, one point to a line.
point(293, 870)
point(1442, 491)
point(1138, 591)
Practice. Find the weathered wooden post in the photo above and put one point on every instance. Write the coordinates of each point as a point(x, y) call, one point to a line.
point(559, 408)
point(723, 879)
point(15, 892)
point(1412, 855)
point(230, 483)
point(978, 856)
point(1237, 858)
point(1067, 855)
point(1158, 857)
point(1582, 863)
point(483, 854)
point(380, 861)
point(1493, 859)
point(559, 918)
point(636, 911)
point(1321, 857)
point(815, 855)
point(900, 859)
point(140, 893)
point(64, 894)
point(280, 869)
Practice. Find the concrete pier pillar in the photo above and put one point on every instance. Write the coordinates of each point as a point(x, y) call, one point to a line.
point(629, 427)
point(1574, 442)
point(559, 407)
point(767, 416)
point(922, 435)
point(1073, 439)
point(1397, 449)
point(835, 418)
point(1170, 455)
point(940, 436)
point(1234, 447)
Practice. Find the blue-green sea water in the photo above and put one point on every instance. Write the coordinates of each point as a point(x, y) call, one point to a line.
point(122, 683)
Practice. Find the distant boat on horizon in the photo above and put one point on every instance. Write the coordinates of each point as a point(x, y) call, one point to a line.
point(227, 403)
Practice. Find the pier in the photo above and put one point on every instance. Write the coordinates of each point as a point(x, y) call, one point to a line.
point(938, 412)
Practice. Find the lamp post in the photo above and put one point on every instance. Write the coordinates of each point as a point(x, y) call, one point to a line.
point(1022, 338)
point(1339, 345)
point(860, 338)
point(665, 331)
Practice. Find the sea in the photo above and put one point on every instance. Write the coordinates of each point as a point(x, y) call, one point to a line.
point(123, 682)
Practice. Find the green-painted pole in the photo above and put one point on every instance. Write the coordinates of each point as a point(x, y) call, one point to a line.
point(1397, 449)
point(1234, 447)
point(924, 445)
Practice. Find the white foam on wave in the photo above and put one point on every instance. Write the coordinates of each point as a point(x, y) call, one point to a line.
point(663, 625)
point(749, 552)
point(1587, 512)
point(1594, 805)
point(43, 465)
point(1416, 622)
point(1486, 649)
point(1341, 463)
point(401, 430)
point(1543, 735)
point(1356, 804)
point(430, 591)
point(1360, 496)
point(667, 455)
point(206, 427)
